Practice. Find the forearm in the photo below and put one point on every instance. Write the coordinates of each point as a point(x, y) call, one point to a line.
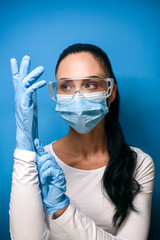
point(27, 218)
point(75, 225)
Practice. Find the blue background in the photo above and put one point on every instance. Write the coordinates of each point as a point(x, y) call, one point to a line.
point(129, 31)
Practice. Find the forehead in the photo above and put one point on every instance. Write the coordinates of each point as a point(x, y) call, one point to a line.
point(81, 64)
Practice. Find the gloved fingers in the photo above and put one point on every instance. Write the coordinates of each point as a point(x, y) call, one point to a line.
point(34, 87)
point(39, 148)
point(49, 163)
point(14, 66)
point(48, 173)
point(45, 161)
point(33, 76)
point(25, 65)
point(42, 159)
point(27, 96)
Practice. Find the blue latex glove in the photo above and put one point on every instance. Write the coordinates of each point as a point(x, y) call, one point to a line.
point(52, 180)
point(26, 102)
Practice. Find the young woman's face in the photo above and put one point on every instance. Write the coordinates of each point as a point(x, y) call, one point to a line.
point(82, 64)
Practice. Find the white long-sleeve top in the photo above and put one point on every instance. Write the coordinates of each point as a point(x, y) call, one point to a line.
point(90, 212)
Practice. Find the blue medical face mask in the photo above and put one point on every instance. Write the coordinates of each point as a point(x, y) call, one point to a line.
point(82, 114)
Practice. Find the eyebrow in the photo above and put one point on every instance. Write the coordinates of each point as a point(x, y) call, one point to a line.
point(82, 77)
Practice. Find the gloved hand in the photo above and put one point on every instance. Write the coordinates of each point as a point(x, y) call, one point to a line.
point(52, 180)
point(25, 102)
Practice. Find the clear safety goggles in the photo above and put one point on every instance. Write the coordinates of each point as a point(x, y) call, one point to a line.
point(88, 88)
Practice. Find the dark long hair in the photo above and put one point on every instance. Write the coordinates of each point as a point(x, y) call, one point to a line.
point(118, 179)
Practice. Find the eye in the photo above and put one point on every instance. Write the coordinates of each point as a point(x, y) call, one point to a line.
point(91, 85)
point(65, 87)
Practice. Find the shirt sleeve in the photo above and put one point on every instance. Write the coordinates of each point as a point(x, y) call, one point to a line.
point(27, 217)
point(136, 226)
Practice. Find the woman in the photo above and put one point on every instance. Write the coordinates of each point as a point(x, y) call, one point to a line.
point(90, 184)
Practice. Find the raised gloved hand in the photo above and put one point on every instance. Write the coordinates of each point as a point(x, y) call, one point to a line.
point(52, 180)
point(26, 102)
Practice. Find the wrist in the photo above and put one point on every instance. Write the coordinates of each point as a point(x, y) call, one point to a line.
point(59, 212)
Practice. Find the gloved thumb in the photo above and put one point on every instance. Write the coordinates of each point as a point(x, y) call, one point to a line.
point(38, 147)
